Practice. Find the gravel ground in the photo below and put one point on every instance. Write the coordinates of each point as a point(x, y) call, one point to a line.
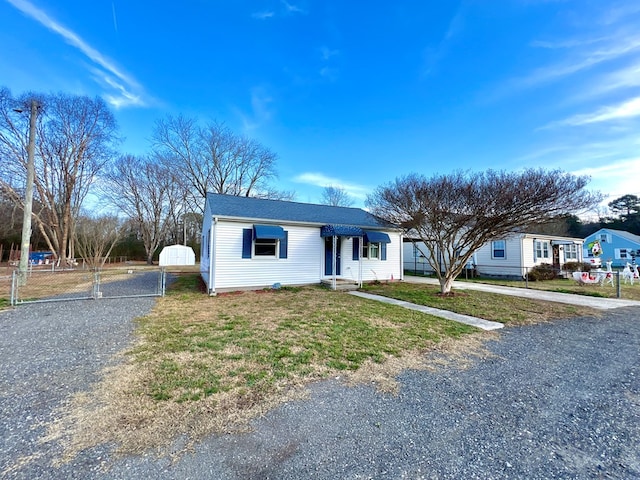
point(556, 400)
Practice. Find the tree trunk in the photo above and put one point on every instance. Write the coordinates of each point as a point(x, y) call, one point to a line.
point(150, 257)
point(446, 283)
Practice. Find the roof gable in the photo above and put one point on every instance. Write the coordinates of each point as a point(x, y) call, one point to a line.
point(231, 206)
point(628, 236)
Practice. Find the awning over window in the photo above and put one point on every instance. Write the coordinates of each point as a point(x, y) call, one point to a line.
point(340, 231)
point(376, 237)
point(563, 242)
point(268, 232)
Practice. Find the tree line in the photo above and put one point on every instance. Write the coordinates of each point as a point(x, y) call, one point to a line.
point(157, 197)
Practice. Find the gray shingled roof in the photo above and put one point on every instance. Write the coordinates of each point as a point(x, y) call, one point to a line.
point(232, 206)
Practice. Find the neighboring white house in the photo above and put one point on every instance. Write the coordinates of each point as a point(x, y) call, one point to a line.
point(250, 243)
point(616, 246)
point(510, 256)
point(513, 256)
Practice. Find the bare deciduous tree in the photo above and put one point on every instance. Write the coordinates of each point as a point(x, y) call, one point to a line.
point(456, 214)
point(75, 136)
point(146, 191)
point(335, 196)
point(214, 159)
point(96, 237)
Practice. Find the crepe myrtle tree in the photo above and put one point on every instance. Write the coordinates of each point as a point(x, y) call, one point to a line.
point(455, 214)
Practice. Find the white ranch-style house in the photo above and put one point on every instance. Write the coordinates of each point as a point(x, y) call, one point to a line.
point(253, 243)
point(511, 256)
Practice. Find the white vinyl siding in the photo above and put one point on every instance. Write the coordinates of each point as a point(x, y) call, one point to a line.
point(302, 265)
point(507, 266)
point(372, 269)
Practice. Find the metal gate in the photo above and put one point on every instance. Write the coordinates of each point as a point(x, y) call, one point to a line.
point(66, 285)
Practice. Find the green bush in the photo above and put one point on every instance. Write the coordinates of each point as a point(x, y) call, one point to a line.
point(544, 271)
point(577, 267)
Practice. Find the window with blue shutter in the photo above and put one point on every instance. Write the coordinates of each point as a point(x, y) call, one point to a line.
point(356, 249)
point(284, 244)
point(247, 242)
point(383, 251)
point(256, 241)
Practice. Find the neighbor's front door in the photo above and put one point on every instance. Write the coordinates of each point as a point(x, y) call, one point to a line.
point(328, 256)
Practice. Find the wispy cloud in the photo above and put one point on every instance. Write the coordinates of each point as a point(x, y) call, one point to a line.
point(321, 180)
point(327, 53)
point(619, 12)
point(584, 60)
point(627, 77)
point(291, 8)
point(123, 84)
point(115, 19)
point(624, 110)
point(261, 109)
point(433, 56)
point(263, 15)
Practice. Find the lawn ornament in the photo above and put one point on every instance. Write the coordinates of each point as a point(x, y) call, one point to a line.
point(628, 274)
point(595, 277)
point(608, 278)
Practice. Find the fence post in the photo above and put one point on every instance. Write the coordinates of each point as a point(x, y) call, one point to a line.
point(96, 285)
point(163, 281)
point(618, 291)
point(526, 277)
point(14, 289)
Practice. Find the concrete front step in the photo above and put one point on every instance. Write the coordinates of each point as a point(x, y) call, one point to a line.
point(341, 284)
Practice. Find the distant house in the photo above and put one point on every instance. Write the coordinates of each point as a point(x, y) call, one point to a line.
point(511, 256)
point(251, 243)
point(515, 255)
point(617, 246)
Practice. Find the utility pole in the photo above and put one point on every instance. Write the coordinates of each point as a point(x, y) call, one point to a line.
point(28, 196)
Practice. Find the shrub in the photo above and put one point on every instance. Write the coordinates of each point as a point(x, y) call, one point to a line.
point(544, 271)
point(577, 267)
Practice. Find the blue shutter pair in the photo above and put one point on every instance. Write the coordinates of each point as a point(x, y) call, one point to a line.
point(247, 243)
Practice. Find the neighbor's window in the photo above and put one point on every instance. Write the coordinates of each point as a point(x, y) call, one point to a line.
point(622, 253)
point(498, 249)
point(265, 247)
point(571, 252)
point(542, 249)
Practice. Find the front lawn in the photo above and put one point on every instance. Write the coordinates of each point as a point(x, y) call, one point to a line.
point(206, 365)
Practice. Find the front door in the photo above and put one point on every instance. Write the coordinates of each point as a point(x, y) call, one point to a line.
point(328, 256)
point(556, 256)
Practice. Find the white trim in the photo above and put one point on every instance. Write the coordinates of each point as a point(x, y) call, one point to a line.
point(212, 257)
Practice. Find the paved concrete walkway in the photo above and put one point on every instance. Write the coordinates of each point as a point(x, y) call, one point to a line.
point(436, 312)
point(582, 300)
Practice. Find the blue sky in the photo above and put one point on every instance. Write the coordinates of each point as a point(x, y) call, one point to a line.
point(355, 94)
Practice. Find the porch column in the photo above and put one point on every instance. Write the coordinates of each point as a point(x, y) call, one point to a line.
point(334, 260)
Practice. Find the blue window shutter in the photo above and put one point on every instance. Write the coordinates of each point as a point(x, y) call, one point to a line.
point(383, 251)
point(356, 248)
point(283, 245)
point(247, 240)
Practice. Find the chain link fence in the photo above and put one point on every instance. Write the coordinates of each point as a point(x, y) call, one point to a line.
point(77, 284)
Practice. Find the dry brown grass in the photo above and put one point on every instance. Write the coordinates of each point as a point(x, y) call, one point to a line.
point(207, 365)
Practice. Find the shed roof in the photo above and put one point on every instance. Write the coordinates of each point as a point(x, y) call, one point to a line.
point(232, 206)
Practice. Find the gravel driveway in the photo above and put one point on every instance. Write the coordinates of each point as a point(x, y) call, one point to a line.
point(556, 400)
